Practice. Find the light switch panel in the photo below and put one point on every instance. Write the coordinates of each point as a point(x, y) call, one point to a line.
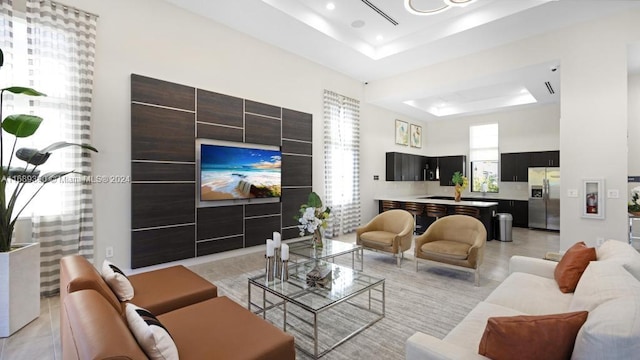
point(613, 193)
point(572, 193)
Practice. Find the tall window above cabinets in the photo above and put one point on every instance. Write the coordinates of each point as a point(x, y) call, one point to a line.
point(483, 156)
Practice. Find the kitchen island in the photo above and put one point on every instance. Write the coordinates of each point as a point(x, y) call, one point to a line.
point(487, 209)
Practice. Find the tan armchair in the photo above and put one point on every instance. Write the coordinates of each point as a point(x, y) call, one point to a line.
point(455, 240)
point(390, 231)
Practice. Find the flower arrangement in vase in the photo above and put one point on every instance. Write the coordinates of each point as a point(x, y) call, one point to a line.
point(461, 182)
point(634, 204)
point(313, 217)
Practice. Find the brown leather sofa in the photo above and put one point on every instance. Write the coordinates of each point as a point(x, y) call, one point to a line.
point(203, 326)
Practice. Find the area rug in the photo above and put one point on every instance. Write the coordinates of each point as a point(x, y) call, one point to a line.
point(433, 301)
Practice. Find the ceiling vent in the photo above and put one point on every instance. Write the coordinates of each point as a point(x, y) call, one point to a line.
point(549, 87)
point(382, 13)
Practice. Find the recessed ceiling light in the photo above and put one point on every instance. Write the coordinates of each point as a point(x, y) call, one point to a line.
point(331, 6)
point(357, 24)
point(379, 38)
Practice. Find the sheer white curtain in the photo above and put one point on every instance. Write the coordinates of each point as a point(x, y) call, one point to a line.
point(342, 162)
point(61, 48)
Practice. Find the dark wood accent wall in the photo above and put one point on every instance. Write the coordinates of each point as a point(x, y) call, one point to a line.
point(166, 222)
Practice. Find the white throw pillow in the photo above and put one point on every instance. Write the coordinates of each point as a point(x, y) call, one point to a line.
point(151, 335)
point(117, 280)
point(611, 331)
point(603, 281)
point(622, 253)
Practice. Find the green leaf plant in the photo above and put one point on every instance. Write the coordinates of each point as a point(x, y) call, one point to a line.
point(22, 126)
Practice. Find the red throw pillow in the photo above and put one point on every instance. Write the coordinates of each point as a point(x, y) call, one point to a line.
point(538, 337)
point(572, 265)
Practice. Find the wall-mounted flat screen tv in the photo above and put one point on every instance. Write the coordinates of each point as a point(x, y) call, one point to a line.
point(239, 171)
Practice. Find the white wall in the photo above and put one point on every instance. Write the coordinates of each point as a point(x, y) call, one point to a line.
point(156, 39)
point(593, 125)
point(521, 130)
point(633, 142)
point(377, 137)
point(634, 126)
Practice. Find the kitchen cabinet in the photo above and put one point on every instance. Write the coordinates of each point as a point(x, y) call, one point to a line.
point(405, 167)
point(432, 165)
point(514, 167)
point(519, 209)
point(448, 165)
point(545, 159)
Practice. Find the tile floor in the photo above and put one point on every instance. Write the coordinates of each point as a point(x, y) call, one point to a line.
point(41, 338)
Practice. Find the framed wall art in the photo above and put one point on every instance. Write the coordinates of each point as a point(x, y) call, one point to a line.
point(415, 136)
point(402, 132)
point(593, 200)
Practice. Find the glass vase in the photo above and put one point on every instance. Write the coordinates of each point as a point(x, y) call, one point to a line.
point(316, 240)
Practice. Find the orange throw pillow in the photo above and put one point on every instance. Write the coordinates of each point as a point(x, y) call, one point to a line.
point(526, 337)
point(572, 265)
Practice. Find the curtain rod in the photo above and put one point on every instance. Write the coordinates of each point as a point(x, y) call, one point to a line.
point(67, 7)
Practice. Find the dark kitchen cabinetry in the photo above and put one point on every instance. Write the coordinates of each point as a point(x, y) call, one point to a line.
point(432, 166)
point(405, 167)
point(448, 165)
point(545, 159)
point(519, 209)
point(514, 167)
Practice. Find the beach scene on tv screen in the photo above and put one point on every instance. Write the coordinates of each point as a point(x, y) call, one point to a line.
point(228, 172)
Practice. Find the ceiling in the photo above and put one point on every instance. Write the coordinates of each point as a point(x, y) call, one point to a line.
point(375, 39)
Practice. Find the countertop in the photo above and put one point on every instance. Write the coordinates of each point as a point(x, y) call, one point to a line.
point(422, 199)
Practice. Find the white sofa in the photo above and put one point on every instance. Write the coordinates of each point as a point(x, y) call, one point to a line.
point(609, 289)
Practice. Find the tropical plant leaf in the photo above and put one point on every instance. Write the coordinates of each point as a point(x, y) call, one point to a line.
point(24, 91)
point(32, 156)
point(21, 174)
point(314, 200)
point(21, 125)
point(63, 144)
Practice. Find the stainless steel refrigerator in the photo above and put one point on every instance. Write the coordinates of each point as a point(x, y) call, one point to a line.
point(544, 198)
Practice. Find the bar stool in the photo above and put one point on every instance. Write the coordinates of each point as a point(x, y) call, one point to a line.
point(435, 210)
point(467, 210)
point(416, 210)
point(388, 205)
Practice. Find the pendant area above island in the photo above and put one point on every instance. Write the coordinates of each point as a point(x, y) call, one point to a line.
point(486, 210)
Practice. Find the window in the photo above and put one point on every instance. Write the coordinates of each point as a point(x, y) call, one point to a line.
point(52, 129)
point(483, 155)
point(341, 162)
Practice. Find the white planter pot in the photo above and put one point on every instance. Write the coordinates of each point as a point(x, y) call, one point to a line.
point(19, 287)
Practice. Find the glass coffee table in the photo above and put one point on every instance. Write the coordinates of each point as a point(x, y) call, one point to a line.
point(320, 318)
point(330, 250)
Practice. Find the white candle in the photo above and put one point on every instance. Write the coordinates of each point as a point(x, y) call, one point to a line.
point(276, 239)
point(270, 248)
point(285, 252)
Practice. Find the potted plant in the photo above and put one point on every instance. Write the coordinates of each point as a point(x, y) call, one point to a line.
point(313, 217)
point(20, 263)
point(460, 183)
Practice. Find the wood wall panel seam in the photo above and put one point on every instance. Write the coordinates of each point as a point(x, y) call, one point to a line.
point(163, 162)
point(163, 107)
point(263, 116)
point(163, 227)
point(190, 114)
point(219, 238)
point(220, 125)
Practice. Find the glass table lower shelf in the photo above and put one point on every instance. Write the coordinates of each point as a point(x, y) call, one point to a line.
point(330, 250)
point(320, 317)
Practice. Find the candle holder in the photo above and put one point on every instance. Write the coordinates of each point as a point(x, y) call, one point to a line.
point(277, 263)
point(269, 270)
point(284, 271)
